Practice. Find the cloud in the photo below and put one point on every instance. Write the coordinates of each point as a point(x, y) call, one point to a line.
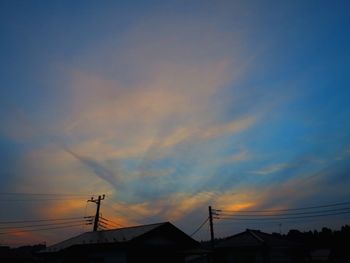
point(229, 128)
point(164, 116)
point(57, 171)
point(344, 154)
point(143, 122)
point(125, 130)
point(241, 156)
point(132, 119)
point(64, 208)
point(18, 127)
point(100, 170)
point(272, 169)
point(183, 134)
point(183, 204)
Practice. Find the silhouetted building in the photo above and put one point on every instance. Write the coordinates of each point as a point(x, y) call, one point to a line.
point(161, 242)
point(27, 254)
point(320, 255)
point(253, 246)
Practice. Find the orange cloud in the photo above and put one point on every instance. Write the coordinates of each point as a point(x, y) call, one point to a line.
point(110, 118)
point(229, 128)
point(241, 156)
point(64, 208)
point(19, 237)
point(183, 203)
point(272, 168)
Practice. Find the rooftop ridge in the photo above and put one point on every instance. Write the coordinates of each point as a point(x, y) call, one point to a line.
point(128, 227)
point(112, 235)
point(255, 235)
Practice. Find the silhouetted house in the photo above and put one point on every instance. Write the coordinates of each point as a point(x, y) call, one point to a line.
point(25, 254)
point(253, 246)
point(320, 255)
point(161, 242)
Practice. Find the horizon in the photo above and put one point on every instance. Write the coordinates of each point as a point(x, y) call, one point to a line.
point(284, 234)
point(170, 107)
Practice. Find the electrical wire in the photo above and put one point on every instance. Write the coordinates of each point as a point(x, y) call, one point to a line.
point(111, 221)
point(39, 199)
point(40, 229)
point(44, 194)
point(40, 225)
point(282, 210)
point(40, 220)
point(283, 214)
point(199, 228)
point(104, 227)
point(112, 226)
point(83, 227)
point(30, 225)
point(281, 218)
point(108, 224)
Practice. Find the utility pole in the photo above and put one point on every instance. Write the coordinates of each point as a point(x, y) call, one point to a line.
point(211, 228)
point(98, 203)
point(212, 256)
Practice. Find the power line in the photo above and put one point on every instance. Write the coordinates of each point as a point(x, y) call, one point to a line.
point(42, 229)
point(228, 223)
point(111, 221)
point(108, 224)
point(103, 227)
point(199, 228)
point(33, 197)
point(49, 224)
point(283, 210)
point(39, 199)
point(282, 218)
point(283, 214)
point(40, 220)
point(44, 194)
point(102, 224)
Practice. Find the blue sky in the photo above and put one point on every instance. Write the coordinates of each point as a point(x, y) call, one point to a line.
point(170, 106)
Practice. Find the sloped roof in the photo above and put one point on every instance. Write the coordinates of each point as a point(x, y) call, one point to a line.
point(253, 238)
point(105, 236)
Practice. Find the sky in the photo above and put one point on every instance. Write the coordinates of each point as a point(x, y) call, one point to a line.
point(167, 107)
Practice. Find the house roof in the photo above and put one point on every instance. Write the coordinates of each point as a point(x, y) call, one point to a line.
point(106, 236)
point(254, 238)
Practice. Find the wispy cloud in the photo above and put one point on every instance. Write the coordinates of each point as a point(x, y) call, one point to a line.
point(274, 168)
point(243, 155)
point(145, 121)
point(100, 170)
point(344, 154)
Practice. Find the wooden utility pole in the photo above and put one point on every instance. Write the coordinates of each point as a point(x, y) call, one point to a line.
point(97, 216)
point(211, 228)
point(212, 255)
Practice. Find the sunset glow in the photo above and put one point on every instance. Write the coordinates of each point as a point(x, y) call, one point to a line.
point(169, 107)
